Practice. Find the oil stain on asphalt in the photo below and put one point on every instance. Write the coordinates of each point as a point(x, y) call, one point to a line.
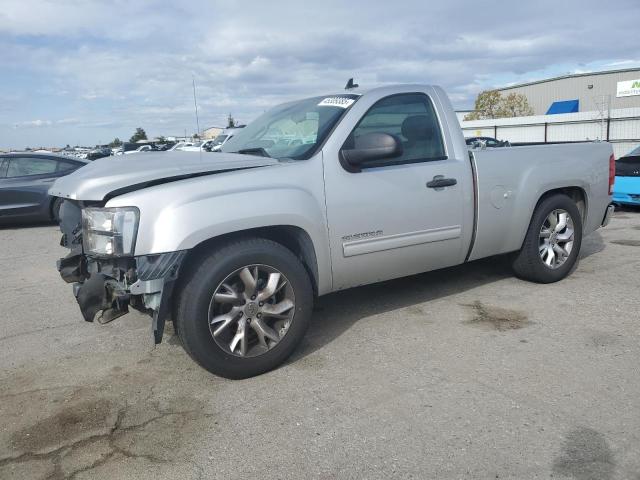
point(497, 318)
point(628, 243)
point(69, 423)
point(586, 455)
point(84, 431)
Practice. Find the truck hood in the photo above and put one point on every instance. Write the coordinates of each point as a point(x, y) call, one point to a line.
point(111, 176)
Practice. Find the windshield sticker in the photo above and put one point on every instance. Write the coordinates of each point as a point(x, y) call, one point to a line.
point(342, 102)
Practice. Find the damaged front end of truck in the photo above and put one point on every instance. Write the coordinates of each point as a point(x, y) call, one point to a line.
point(107, 278)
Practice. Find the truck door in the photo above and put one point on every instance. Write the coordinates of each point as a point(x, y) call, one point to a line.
point(397, 216)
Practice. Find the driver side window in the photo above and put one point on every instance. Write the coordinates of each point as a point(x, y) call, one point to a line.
point(409, 117)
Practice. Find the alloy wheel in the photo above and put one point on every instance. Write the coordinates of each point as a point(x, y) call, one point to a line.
point(556, 238)
point(251, 310)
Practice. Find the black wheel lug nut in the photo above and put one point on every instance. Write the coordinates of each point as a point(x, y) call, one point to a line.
point(253, 297)
point(248, 320)
point(261, 303)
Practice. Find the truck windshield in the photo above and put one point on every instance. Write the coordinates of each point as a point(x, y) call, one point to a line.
point(292, 130)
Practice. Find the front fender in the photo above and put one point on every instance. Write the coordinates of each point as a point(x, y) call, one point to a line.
point(182, 215)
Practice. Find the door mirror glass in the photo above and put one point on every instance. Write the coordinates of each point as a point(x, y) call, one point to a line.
point(370, 147)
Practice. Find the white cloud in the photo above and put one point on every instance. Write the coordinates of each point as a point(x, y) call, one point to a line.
point(34, 123)
point(114, 65)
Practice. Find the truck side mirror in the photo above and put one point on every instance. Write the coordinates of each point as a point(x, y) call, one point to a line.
point(370, 147)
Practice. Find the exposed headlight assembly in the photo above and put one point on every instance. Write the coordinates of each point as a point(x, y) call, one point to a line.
point(110, 232)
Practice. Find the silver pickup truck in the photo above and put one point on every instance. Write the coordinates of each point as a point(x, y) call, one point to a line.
point(314, 196)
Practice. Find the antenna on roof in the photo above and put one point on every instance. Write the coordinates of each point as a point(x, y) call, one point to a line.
point(350, 84)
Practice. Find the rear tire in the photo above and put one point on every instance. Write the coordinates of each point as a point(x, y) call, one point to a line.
point(196, 299)
point(535, 262)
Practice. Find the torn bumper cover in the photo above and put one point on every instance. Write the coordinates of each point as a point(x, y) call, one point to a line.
point(107, 287)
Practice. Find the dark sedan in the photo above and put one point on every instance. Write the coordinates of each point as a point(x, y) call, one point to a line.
point(25, 179)
point(475, 142)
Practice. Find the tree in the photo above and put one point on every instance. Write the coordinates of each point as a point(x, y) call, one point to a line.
point(515, 105)
point(487, 105)
point(231, 122)
point(116, 142)
point(490, 104)
point(139, 135)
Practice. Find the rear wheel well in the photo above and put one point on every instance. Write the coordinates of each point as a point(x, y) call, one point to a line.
point(293, 238)
point(577, 194)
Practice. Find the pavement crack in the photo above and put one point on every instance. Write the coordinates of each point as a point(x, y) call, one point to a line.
point(37, 390)
point(112, 435)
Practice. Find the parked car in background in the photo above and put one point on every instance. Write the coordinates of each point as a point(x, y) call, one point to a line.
point(143, 148)
point(190, 147)
point(626, 190)
point(99, 153)
point(490, 142)
point(204, 146)
point(163, 147)
point(312, 197)
point(180, 146)
point(25, 179)
point(226, 135)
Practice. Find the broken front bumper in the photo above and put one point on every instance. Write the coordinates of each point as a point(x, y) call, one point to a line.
point(105, 288)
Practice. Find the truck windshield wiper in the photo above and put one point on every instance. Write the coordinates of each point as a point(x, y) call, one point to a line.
point(259, 151)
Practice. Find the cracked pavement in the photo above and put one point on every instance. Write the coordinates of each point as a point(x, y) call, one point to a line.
point(461, 373)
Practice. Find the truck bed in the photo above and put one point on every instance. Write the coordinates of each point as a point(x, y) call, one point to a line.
point(509, 182)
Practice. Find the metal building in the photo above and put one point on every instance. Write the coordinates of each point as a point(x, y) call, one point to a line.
point(582, 92)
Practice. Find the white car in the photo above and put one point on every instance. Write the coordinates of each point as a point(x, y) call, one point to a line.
point(223, 138)
point(180, 146)
point(143, 148)
point(198, 146)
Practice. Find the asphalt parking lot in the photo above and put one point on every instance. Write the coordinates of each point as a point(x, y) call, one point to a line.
point(462, 373)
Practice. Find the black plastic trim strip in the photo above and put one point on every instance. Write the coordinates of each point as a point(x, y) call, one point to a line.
point(476, 204)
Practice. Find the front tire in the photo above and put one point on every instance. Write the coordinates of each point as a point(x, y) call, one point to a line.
point(552, 243)
point(244, 308)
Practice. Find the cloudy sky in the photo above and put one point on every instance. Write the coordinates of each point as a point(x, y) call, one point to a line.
point(86, 71)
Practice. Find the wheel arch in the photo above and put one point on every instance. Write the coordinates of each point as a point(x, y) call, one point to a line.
point(576, 193)
point(294, 238)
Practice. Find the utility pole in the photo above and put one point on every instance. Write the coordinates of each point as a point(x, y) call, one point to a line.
point(195, 105)
point(604, 114)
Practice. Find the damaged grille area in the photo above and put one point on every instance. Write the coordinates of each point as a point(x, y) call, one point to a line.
point(105, 288)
